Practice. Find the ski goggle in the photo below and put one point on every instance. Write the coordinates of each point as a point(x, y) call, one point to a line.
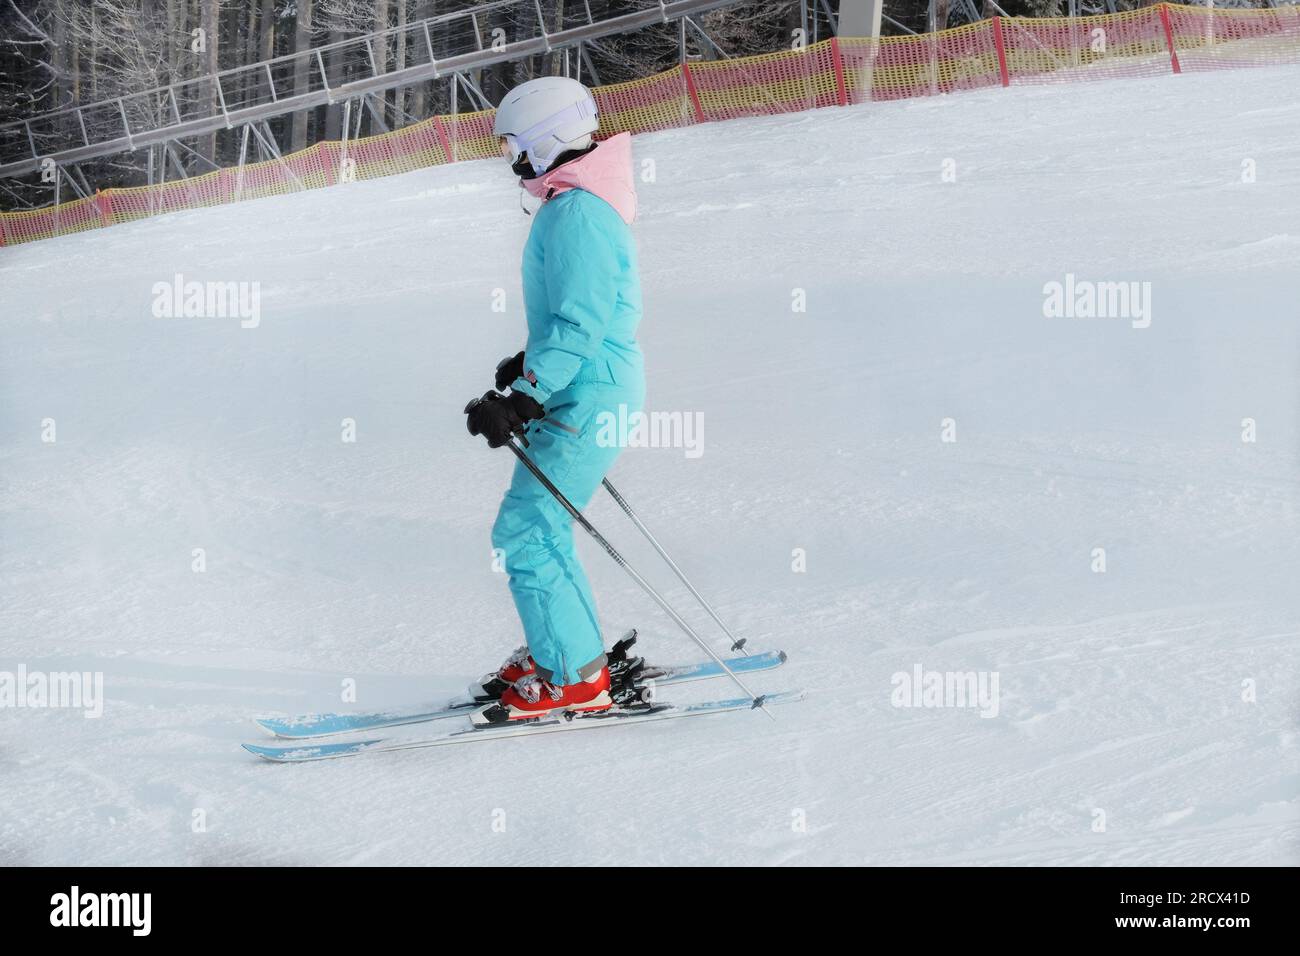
point(518, 158)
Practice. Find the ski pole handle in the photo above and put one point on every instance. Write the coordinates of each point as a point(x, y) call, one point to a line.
point(492, 395)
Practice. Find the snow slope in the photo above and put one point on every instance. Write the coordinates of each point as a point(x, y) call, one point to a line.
point(1121, 693)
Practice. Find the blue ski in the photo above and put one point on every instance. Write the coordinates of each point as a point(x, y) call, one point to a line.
point(619, 717)
point(325, 725)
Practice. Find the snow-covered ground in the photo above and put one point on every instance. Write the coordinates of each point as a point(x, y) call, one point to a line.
point(1146, 714)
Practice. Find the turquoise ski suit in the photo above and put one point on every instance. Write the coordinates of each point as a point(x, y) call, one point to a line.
point(582, 296)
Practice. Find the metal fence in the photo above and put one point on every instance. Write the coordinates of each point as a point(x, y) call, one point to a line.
point(1161, 39)
point(469, 39)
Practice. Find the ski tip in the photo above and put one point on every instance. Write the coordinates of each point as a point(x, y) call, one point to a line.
point(309, 751)
point(782, 656)
point(284, 754)
point(266, 753)
point(268, 725)
point(291, 728)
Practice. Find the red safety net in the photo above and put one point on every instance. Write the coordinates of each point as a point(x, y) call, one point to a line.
point(1004, 51)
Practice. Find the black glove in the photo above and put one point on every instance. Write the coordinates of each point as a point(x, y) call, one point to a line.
point(509, 369)
point(497, 417)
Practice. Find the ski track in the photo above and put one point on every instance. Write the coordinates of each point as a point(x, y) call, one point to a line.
point(1119, 692)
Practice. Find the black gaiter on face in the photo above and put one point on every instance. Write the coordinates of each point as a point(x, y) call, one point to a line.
point(524, 170)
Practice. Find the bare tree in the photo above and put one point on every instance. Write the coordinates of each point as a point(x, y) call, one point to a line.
point(266, 26)
point(209, 13)
point(301, 70)
point(341, 20)
point(399, 62)
point(380, 48)
point(420, 91)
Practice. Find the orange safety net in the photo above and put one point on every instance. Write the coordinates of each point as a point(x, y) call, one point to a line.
point(1108, 46)
point(1212, 39)
point(1160, 39)
point(892, 68)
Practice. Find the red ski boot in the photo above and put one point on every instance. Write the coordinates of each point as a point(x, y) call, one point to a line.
point(517, 666)
point(533, 697)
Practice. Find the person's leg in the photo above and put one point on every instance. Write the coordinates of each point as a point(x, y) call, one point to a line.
point(549, 586)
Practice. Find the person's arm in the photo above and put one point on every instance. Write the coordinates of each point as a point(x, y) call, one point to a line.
point(581, 269)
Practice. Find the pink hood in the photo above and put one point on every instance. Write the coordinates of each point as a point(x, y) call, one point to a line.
point(606, 171)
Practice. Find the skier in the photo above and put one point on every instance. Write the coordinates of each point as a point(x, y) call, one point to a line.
point(582, 299)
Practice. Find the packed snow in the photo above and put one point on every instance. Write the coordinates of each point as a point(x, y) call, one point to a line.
point(901, 465)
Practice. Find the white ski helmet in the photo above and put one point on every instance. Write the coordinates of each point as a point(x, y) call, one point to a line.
point(544, 118)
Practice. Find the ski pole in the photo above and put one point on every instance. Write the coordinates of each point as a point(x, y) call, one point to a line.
point(736, 643)
point(632, 572)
